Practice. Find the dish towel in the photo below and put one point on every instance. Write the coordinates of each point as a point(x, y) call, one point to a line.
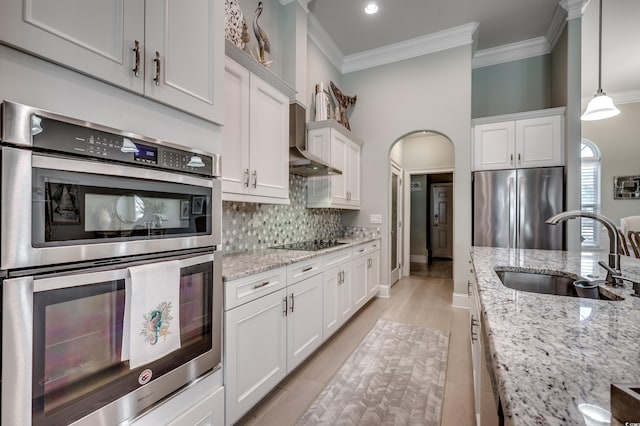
point(151, 326)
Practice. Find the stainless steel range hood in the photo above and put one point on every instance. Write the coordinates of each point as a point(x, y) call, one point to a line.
point(301, 161)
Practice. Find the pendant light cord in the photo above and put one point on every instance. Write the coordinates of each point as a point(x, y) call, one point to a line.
point(600, 50)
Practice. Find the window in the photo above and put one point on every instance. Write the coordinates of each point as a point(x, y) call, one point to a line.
point(590, 192)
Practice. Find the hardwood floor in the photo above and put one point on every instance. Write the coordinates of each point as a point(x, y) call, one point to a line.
point(423, 299)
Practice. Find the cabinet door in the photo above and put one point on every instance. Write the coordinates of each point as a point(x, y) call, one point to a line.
point(353, 175)
point(494, 146)
point(539, 142)
point(184, 45)
point(331, 301)
point(269, 136)
point(304, 321)
point(207, 412)
point(319, 143)
point(255, 352)
point(339, 160)
point(345, 305)
point(359, 282)
point(476, 359)
point(235, 132)
point(373, 273)
point(95, 37)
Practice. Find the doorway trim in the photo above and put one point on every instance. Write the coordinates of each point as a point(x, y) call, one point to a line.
point(395, 168)
point(406, 232)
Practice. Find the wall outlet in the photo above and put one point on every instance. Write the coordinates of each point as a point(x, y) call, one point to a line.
point(375, 218)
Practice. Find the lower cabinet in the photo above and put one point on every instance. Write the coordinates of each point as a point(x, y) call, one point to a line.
point(304, 320)
point(255, 345)
point(208, 412)
point(359, 293)
point(373, 271)
point(337, 307)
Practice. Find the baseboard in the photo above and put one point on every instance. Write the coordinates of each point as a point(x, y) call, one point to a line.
point(461, 300)
point(384, 291)
point(418, 258)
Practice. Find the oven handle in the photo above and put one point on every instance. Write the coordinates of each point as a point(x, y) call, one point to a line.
point(111, 169)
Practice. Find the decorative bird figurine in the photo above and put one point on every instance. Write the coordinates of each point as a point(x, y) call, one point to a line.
point(262, 37)
point(344, 102)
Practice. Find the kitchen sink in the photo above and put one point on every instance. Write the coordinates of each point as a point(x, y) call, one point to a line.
point(546, 283)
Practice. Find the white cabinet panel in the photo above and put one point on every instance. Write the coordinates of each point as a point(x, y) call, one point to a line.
point(207, 412)
point(255, 139)
point(359, 282)
point(533, 139)
point(373, 272)
point(255, 351)
point(304, 321)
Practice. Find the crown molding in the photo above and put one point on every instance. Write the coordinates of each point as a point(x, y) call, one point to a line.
point(302, 3)
point(511, 52)
point(557, 25)
point(419, 46)
point(317, 33)
point(575, 8)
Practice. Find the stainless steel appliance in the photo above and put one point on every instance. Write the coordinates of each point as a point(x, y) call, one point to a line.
point(510, 208)
point(82, 204)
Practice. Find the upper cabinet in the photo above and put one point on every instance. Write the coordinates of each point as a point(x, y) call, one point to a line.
point(168, 51)
point(532, 139)
point(255, 148)
point(336, 145)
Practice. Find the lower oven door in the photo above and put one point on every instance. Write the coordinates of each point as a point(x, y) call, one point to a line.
point(63, 339)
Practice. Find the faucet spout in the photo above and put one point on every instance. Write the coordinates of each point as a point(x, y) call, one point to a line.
point(614, 242)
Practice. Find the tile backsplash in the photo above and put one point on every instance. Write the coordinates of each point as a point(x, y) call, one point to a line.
point(251, 226)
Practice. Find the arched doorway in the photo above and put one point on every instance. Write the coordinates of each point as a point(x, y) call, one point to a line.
point(424, 163)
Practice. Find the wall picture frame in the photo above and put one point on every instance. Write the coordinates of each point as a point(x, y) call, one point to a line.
point(185, 209)
point(197, 205)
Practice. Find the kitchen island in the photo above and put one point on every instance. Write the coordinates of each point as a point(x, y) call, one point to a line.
point(550, 354)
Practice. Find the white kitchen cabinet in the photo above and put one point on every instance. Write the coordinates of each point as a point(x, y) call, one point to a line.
point(476, 356)
point(304, 320)
point(373, 270)
point(341, 149)
point(255, 342)
point(255, 139)
point(166, 51)
point(209, 411)
point(533, 139)
point(359, 268)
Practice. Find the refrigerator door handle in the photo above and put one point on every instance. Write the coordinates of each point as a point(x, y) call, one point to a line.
point(521, 212)
point(512, 219)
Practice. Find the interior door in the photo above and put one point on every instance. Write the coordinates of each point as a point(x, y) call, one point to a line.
point(395, 239)
point(441, 220)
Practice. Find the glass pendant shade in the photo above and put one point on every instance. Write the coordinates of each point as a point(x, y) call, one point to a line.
point(600, 106)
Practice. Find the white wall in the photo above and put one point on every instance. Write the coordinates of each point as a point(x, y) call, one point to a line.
point(429, 92)
point(431, 151)
point(619, 142)
point(35, 82)
point(319, 69)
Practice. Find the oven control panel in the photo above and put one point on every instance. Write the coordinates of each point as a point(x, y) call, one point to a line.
point(54, 135)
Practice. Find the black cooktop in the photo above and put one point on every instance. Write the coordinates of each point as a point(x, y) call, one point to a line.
point(311, 245)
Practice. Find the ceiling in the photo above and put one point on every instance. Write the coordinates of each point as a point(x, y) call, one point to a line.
point(500, 22)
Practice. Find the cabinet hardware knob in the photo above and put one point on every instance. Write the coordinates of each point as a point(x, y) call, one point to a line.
point(157, 61)
point(261, 285)
point(136, 50)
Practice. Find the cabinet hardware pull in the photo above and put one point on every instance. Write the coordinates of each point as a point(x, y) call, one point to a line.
point(292, 302)
point(469, 287)
point(136, 50)
point(246, 178)
point(511, 158)
point(361, 250)
point(255, 178)
point(157, 61)
point(261, 285)
point(307, 269)
point(519, 159)
point(474, 336)
point(284, 299)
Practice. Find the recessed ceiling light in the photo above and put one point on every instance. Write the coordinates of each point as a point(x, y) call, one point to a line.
point(371, 8)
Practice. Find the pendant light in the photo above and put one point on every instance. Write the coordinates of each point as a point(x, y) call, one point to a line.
point(601, 106)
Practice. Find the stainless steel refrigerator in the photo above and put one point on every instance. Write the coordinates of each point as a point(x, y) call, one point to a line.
point(510, 208)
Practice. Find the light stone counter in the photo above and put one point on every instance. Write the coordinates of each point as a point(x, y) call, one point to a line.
point(240, 265)
point(551, 353)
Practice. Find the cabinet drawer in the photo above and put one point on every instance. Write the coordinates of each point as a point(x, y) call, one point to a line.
point(250, 288)
point(301, 270)
point(366, 248)
point(338, 257)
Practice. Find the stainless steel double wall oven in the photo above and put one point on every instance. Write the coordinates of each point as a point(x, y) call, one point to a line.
point(81, 204)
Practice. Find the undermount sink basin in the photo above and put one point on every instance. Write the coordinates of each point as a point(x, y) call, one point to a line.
point(534, 282)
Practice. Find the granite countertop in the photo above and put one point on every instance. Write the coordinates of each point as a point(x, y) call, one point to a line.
point(552, 353)
point(240, 265)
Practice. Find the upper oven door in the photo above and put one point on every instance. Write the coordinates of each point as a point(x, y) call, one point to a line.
point(61, 210)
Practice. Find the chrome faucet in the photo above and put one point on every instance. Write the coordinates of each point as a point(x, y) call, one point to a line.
point(614, 275)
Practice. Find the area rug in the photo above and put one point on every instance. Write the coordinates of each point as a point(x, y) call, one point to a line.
point(396, 376)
